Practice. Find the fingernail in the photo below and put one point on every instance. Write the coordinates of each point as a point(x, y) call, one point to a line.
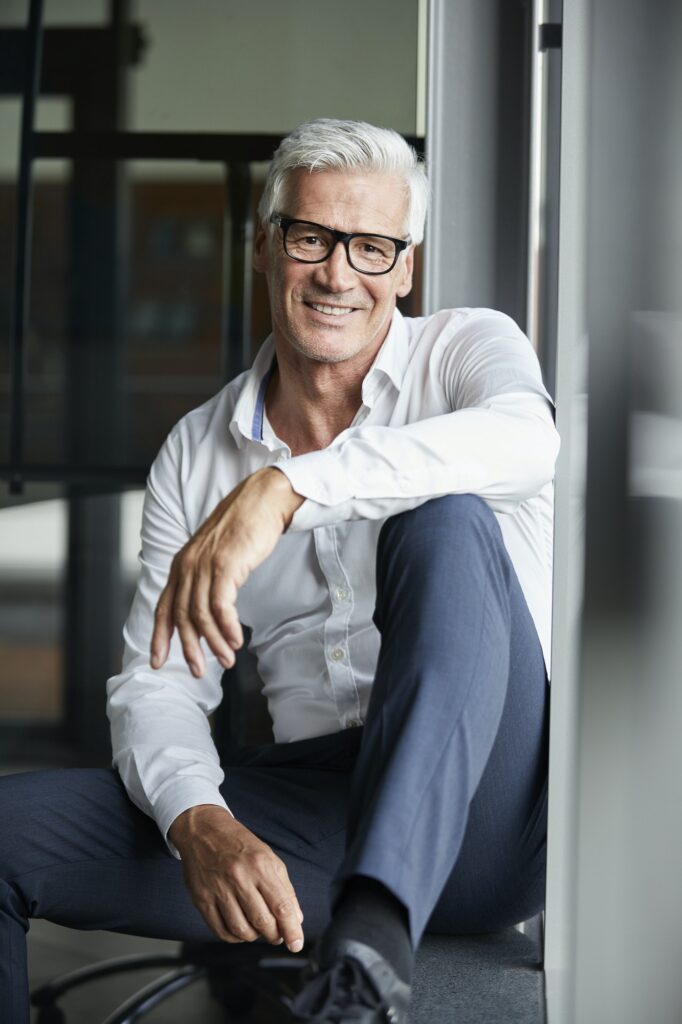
point(296, 946)
point(155, 660)
point(279, 942)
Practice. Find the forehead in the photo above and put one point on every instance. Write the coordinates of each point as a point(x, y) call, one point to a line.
point(348, 200)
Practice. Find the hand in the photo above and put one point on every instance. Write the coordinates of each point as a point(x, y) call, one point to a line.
point(200, 596)
point(239, 885)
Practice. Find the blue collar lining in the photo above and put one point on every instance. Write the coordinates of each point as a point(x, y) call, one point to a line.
point(257, 423)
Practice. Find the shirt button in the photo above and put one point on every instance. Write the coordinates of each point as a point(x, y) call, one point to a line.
point(281, 458)
point(337, 653)
point(341, 594)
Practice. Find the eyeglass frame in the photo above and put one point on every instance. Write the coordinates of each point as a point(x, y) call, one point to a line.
point(345, 237)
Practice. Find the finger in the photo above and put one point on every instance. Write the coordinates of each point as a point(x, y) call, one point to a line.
point(236, 921)
point(222, 599)
point(189, 638)
point(163, 625)
point(259, 915)
point(287, 913)
point(206, 626)
point(217, 925)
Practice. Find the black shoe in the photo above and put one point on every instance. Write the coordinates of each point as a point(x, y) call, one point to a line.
point(350, 983)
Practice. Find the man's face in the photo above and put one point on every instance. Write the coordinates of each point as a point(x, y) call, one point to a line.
point(362, 305)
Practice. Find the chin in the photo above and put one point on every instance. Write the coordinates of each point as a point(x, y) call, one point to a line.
point(326, 352)
point(325, 345)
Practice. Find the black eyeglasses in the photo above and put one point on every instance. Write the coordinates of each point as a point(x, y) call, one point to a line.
point(308, 242)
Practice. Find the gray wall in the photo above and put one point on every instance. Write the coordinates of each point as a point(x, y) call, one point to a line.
point(477, 150)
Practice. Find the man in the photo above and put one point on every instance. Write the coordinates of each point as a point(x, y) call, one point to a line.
point(373, 498)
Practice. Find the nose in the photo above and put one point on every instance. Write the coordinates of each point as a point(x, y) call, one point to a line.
point(336, 273)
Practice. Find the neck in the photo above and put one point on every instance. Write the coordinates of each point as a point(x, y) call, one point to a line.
point(309, 403)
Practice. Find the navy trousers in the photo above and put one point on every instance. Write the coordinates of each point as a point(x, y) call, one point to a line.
point(441, 794)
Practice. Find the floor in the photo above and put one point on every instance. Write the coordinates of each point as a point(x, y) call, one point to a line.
point(492, 979)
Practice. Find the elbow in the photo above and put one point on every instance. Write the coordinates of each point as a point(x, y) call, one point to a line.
point(545, 447)
point(553, 446)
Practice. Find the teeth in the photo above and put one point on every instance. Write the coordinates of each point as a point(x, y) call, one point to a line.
point(332, 310)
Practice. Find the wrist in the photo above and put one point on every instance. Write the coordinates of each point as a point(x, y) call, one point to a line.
point(288, 499)
point(196, 821)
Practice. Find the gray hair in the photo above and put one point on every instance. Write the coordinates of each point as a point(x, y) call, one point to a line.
point(327, 144)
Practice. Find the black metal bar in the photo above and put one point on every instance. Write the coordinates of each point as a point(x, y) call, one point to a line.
point(155, 993)
point(238, 298)
point(95, 424)
point(216, 147)
point(22, 262)
point(52, 990)
point(551, 36)
point(26, 743)
point(68, 55)
point(13, 736)
point(95, 475)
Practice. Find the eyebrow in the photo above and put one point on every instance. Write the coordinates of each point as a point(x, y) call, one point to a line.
point(363, 231)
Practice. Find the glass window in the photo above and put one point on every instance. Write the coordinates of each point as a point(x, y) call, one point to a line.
point(265, 66)
point(32, 571)
point(142, 298)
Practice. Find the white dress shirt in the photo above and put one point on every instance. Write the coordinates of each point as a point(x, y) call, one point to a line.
point(453, 403)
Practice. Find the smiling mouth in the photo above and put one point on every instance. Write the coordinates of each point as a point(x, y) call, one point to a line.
point(322, 307)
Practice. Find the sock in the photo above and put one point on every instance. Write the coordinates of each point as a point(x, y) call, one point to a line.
point(368, 912)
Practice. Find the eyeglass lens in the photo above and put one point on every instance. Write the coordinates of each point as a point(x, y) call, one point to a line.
point(311, 243)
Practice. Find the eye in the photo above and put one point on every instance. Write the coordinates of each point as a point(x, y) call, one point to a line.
point(373, 248)
point(306, 239)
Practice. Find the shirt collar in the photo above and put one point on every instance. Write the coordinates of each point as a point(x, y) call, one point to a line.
point(391, 359)
point(247, 418)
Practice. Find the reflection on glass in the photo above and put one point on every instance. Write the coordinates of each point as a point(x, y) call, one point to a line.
point(32, 566)
point(131, 520)
point(169, 357)
point(655, 425)
point(265, 66)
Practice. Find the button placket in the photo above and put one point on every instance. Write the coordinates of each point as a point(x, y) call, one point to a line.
point(337, 625)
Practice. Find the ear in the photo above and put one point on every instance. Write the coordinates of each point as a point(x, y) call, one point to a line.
point(405, 274)
point(261, 252)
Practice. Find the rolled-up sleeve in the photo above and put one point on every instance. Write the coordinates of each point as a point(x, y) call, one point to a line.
point(161, 737)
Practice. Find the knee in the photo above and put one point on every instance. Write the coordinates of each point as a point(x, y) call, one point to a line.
point(19, 800)
point(447, 510)
point(33, 814)
point(460, 516)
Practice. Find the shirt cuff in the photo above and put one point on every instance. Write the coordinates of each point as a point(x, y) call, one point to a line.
point(319, 476)
point(183, 794)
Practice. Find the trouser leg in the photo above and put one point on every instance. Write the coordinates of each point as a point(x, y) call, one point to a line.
point(74, 850)
point(460, 675)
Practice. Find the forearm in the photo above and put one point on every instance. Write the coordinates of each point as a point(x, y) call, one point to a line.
point(160, 733)
point(161, 738)
point(505, 453)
